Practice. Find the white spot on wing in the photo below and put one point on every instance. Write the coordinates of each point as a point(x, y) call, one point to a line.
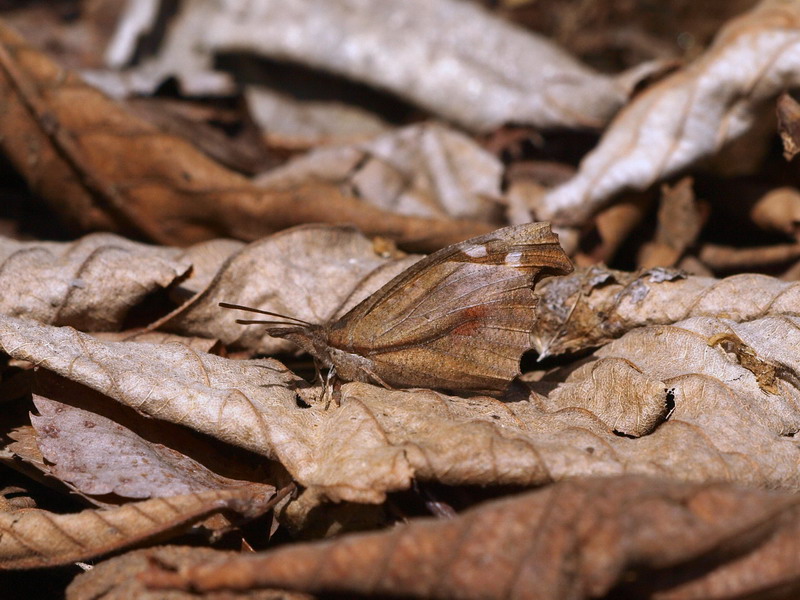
point(476, 251)
point(514, 259)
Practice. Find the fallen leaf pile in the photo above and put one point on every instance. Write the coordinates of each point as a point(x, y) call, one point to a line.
point(162, 158)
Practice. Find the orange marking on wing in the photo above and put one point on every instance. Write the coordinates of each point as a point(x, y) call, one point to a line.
point(473, 317)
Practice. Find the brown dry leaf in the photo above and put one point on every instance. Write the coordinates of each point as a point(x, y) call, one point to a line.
point(627, 537)
point(733, 258)
point(724, 426)
point(160, 337)
point(688, 116)
point(229, 136)
point(680, 220)
point(612, 226)
point(90, 284)
point(449, 57)
point(593, 306)
point(99, 167)
point(778, 210)
point(99, 456)
point(207, 259)
point(425, 170)
point(789, 125)
point(315, 273)
point(118, 578)
point(37, 538)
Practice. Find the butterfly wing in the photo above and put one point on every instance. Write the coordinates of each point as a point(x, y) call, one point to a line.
point(459, 318)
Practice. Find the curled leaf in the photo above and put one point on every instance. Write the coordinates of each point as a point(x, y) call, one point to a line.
point(451, 58)
point(593, 306)
point(689, 115)
point(38, 538)
point(631, 537)
point(118, 578)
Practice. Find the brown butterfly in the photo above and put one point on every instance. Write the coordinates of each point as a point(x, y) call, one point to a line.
point(458, 319)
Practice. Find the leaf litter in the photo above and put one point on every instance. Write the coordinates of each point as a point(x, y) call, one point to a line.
point(661, 409)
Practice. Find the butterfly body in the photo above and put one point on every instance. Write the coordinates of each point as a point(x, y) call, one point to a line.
point(458, 319)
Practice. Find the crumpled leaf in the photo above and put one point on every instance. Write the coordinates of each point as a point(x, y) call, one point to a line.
point(724, 424)
point(315, 273)
point(99, 167)
point(593, 306)
point(118, 578)
point(99, 456)
point(38, 538)
point(449, 57)
point(624, 536)
point(90, 284)
point(689, 115)
point(424, 170)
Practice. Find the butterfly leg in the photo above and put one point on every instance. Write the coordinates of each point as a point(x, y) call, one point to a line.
point(372, 375)
point(327, 387)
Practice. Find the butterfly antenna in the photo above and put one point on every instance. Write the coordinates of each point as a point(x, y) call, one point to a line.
point(263, 312)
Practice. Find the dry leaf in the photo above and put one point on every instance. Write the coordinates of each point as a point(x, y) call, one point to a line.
point(732, 258)
point(451, 58)
point(90, 284)
point(118, 578)
point(207, 259)
point(724, 426)
point(99, 456)
point(423, 170)
point(689, 115)
point(37, 538)
point(159, 337)
point(314, 273)
point(789, 125)
point(593, 306)
point(626, 537)
point(296, 124)
point(99, 167)
point(680, 219)
point(778, 210)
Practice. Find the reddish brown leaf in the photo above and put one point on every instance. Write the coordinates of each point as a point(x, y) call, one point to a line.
point(631, 537)
point(101, 168)
point(117, 578)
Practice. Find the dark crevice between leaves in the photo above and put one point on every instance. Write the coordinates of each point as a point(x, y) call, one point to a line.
point(308, 84)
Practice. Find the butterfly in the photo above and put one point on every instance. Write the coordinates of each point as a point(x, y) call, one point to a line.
point(458, 319)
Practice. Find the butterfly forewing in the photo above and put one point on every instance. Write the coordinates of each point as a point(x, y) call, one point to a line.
point(460, 318)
